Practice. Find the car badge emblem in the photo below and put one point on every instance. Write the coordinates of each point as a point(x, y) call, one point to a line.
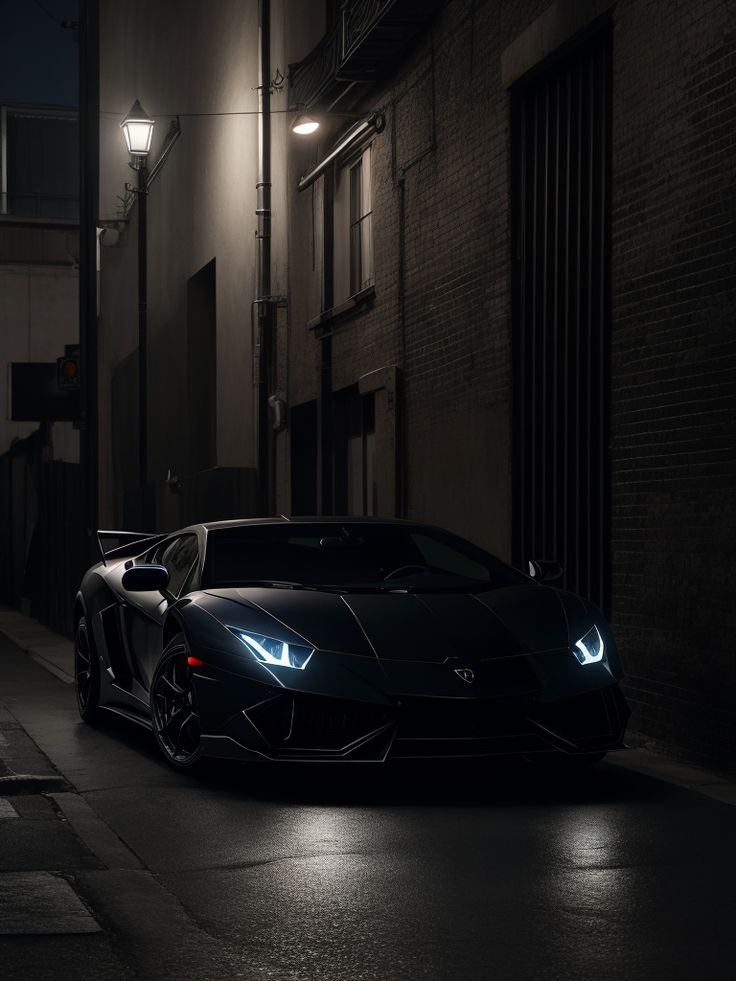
point(467, 674)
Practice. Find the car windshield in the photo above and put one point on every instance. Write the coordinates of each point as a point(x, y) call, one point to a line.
point(351, 557)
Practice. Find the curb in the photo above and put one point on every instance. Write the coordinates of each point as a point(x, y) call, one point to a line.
point(30, 783)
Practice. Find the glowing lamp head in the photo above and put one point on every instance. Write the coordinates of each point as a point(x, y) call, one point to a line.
point(303, 125)
point(137, 129)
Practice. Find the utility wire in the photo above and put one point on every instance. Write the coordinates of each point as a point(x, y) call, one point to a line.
point(170, 115)
point(243, 112)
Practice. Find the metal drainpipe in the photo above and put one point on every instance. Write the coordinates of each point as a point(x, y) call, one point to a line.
point(264, 307)
point(89, 210)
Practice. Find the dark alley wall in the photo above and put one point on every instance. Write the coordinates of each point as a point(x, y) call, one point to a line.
point(673, 449)
point(442, 312)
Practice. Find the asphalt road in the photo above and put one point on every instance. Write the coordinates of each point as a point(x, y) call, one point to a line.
point(372, 874)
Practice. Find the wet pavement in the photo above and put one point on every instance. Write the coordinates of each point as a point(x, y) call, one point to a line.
point(359, 872)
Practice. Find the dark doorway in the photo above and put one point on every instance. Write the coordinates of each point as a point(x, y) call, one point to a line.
point(354, 428)
point(201, 437)
point(561, 126)
point(303, 442)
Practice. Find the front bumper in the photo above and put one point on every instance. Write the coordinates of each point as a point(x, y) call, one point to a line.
point(280, 724)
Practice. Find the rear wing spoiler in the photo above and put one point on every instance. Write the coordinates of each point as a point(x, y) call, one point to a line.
point(118, 544)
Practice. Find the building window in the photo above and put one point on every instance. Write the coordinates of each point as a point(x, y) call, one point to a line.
point(39, 163)
point(353, 228)
point(361, 239)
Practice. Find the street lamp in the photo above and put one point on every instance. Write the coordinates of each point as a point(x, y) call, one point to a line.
point(137, 129)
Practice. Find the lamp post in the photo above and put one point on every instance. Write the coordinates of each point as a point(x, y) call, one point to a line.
point(138, 131)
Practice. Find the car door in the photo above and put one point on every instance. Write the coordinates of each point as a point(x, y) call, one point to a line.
point(146, 611)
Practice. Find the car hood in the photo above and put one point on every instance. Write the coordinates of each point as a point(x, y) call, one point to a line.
point(422, 626)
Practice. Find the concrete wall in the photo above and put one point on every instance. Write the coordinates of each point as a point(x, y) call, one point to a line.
point(199, 61)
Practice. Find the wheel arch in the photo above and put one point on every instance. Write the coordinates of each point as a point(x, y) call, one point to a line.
point(172, 626)
point(79, 610)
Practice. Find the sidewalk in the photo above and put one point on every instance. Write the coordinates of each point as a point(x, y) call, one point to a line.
point(46, 927)
point(51, 650)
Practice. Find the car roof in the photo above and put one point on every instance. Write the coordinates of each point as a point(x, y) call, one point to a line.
point(282, 519)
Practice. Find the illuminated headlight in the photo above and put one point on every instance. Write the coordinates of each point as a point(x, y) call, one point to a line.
point(269, 651)
point(589, 649)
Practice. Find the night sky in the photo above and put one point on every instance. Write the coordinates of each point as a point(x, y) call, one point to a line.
point(38, 57)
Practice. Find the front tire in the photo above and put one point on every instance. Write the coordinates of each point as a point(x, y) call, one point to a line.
point(86, 673)
point(174, 709)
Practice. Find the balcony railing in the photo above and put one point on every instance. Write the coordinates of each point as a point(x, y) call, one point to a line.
point(311, 78)
point(357, 21)
point(365, 43)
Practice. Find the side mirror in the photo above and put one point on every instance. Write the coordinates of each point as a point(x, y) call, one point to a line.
point(544, 570)
point(146, 578)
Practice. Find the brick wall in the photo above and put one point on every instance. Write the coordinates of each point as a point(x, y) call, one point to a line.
point(442, 312)
point(674, 356)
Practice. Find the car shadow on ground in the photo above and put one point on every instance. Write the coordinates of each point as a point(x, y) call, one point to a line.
point(428, 782)
point(405, 782)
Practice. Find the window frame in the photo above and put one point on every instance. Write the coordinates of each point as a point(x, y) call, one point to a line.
point(157, 553)
point(360, 261)
point(351, 229)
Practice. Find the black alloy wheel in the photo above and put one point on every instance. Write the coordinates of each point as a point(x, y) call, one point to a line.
point(86, 672)
point(174, 707)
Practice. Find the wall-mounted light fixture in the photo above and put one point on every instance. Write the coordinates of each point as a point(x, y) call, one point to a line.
point(367, 123)
point(137, 129)
point(304, 124)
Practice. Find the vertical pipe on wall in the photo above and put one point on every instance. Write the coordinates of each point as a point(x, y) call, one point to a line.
point(89, 196)
point(4, 158)
point(325, 392)
point(264, 311)
point(400, 461)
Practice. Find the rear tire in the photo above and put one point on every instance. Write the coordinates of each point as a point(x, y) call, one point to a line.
point(174, 711)
point(86, 673)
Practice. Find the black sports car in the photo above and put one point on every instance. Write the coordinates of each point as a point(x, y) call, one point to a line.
point(341, 639)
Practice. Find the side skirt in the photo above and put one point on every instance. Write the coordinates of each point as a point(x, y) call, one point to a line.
point(141, 720)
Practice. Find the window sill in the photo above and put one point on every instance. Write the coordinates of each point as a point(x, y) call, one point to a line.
point(328, 320)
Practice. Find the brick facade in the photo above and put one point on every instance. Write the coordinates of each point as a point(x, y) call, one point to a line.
point(674, 353)
point(442, 313)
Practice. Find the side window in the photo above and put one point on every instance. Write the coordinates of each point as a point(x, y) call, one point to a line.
point(192, 580)
point(179, 556)
point(153, 555)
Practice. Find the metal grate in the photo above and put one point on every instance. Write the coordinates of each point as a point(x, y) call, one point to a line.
point(561, 125)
